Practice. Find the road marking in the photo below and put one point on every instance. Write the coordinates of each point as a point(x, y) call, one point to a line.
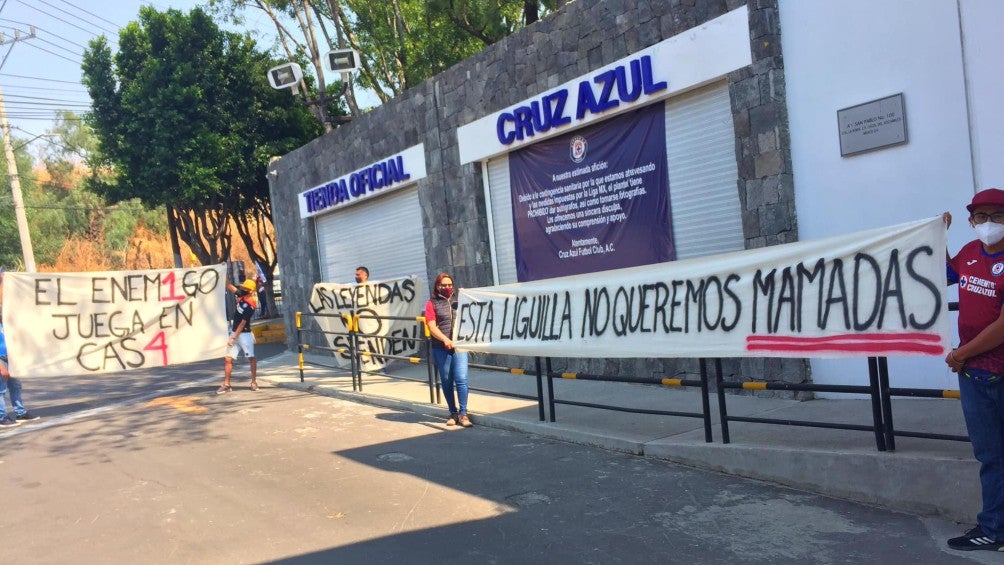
point(186, 404)
point(73, 416)
point(46, 422)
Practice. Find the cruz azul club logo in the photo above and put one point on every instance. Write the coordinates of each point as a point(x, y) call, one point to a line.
point(578, 148)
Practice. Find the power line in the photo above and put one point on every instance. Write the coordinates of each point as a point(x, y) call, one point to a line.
point(34, 105)
point(45, 98)
point(84, 11)
point(7, 54)
point(71, 51)
point(41, 79)
point(77, 62)
point(45, 88)
point(76, 16)
point(71, 24)
point(56, 35)
point(40, 117)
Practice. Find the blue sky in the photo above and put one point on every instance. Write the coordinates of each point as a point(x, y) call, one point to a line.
point(42, 74)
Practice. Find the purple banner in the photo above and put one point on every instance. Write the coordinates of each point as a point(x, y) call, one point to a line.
point(594, 199)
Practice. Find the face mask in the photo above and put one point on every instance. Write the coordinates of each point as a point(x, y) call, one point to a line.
point(989, 233)
point(446, 292)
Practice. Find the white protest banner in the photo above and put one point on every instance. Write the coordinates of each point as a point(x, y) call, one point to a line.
point(404, 297)
point(873, 293)
point(60, 324)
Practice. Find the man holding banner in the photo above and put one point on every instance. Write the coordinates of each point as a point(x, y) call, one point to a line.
point(979, 360)
point(241, 338)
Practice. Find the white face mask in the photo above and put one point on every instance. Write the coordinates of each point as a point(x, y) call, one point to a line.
point(989, 232)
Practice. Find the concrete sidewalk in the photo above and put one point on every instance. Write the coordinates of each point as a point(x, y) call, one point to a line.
point(929, 477)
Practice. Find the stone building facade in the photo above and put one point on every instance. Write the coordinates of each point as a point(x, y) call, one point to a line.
point(583, 36)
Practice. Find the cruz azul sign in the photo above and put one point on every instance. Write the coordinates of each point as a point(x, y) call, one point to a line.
point(877, 292)
point(695, 57)
point(625, 83)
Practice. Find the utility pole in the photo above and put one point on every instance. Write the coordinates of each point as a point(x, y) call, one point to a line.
point(15, 187)
point(15, 180)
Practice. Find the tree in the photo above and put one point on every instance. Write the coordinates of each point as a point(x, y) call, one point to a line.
point(400, 42)
point(186, 120)
point(488, 21)
point(84, 233)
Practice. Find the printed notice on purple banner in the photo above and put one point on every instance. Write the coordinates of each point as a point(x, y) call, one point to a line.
point(594, 199)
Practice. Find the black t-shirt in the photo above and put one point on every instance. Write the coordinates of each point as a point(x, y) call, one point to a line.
point(245, 311)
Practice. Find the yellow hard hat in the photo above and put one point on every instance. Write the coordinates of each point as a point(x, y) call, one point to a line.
point(249, 285)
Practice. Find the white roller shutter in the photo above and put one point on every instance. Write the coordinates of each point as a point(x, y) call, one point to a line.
point(384, 234)
point(504, 248)
point(701, 148)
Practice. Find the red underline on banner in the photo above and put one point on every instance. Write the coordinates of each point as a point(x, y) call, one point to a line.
point(874, 343)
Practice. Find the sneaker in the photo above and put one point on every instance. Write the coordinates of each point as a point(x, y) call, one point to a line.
point(9, 422)
point(975, 539)
point(452, 420)
point(465, 421)
point(27, 417)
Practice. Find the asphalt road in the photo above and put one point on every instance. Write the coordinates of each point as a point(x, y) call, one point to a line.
point(187, 476)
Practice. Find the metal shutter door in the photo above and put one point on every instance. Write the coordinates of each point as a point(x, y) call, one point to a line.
point(384, 234)
point(503, 250)
point(701, 148)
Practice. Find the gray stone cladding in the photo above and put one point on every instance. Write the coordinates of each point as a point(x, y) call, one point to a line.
point(582, 36)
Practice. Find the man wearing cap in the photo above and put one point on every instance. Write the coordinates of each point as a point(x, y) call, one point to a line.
point(979, 360)
point(240, 337)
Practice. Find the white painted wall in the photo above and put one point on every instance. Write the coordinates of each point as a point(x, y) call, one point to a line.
point(839, 54)
point(983, 44)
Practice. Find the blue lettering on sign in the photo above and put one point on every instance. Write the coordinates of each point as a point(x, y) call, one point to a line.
point(539, 116)
point(370, 179)
point(327, 195)
point(549, 112)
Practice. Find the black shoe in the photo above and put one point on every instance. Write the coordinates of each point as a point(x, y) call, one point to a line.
point(9, 422)
point(975, 539)
point(27, 417)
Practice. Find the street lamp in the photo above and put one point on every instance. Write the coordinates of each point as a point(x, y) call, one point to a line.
point(342, 61)
point(286, 75)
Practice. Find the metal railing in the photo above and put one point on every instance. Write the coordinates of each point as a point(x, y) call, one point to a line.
point(878, 390)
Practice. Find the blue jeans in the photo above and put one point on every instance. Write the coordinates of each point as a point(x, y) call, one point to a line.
point(452, 367)
point(983, 408)
point(14, 384)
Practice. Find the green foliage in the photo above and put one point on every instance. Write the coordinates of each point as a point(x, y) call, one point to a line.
point(184, 115)
point(406, 50)
point(487, 21)
point(120, 223)
point(47, 223)
point(74, 140)
point(401, 42)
